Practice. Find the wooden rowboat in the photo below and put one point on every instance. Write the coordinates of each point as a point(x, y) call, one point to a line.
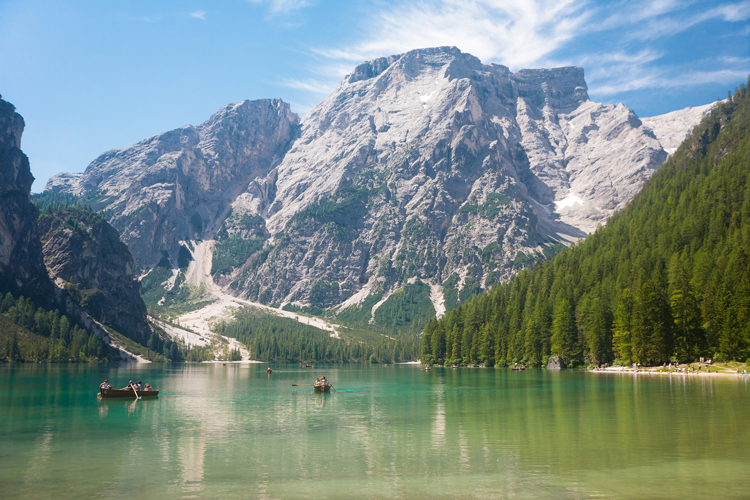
point(322, 388)
point(124, 393)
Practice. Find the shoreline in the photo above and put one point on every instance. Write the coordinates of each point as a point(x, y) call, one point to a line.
point(672, 373)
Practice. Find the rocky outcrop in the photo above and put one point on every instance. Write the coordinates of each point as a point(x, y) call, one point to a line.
point(426, 165)
point(74, 246)
point(21, 265)
point(672, 128)
point(555, 363)
point(85, 254)
point(180, 185)
point(434, 165)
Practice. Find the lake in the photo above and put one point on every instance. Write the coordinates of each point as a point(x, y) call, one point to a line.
point(232, 431)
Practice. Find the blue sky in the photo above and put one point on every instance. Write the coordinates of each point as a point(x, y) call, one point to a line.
point(89, 76)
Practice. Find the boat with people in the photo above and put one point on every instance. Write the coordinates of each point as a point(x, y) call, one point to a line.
point(322, 385)
point(130, 391)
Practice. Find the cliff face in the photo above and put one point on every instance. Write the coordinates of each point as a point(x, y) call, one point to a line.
point(84, 251)
point(434, 165)
point(21, 266)
point(180, 185)
point(425, 165)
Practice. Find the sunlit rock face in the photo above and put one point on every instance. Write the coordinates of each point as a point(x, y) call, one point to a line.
point(180, 185)
point(427, 164)
point(431, 163)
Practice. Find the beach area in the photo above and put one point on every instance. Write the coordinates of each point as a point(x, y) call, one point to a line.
point(712, 370)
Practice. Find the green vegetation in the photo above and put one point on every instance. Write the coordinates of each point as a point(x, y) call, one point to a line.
point(490, 209)
point(96, 200)
point(451, 294)
point(31, 333)
point(334, 208)
point(233, 252)
point(305, 310)
point(275, 339)
point(243, 222)
point(407, 310)
point(667, 278)
point(416, 255)
point(179, 299)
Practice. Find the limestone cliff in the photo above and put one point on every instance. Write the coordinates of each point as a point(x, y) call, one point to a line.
point(179, 185)
point(85, 254)
point(21, 266)
point(426, 165)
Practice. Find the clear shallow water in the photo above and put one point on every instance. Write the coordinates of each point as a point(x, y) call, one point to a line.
point(231, 431)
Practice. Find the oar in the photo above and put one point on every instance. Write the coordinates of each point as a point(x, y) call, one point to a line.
point(332, 387)
point(136, 393)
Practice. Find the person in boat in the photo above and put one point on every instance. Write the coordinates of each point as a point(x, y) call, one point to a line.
point(149, 388)
point(128, 387)
point(138, 385)
point(324, 381)
point(268, 370)
point(105, 385)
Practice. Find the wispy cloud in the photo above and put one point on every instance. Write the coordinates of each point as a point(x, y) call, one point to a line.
point(516, 32)
point(284, 6)
point(663, 80)
point(534, 33)
point(310, 85)
point(199, 14)
point(287, 6)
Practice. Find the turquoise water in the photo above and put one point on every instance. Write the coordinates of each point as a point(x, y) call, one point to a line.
point(231, 431)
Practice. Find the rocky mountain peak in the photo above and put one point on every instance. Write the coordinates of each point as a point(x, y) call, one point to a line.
point(425, 165)
point(11, 126)
point(558, 88)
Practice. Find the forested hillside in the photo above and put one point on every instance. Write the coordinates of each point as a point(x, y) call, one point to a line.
point(31, 333)
point(667, 279)
point(283, 340)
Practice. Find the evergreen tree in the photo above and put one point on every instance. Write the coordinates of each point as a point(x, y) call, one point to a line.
point(564, 332)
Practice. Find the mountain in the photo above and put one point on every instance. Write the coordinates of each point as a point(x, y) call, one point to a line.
point(180, 185)
point(85, 254)
point(667, 279)
point(426, 169)
point(63, 273)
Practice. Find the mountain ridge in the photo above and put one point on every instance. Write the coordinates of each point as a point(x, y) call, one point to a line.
point(425, 165)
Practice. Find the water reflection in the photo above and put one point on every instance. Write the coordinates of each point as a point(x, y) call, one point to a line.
point(231, 431)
